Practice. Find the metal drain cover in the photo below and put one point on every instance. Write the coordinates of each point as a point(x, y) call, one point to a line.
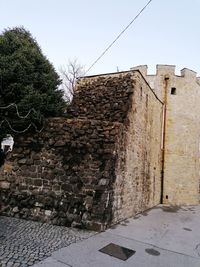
point(116, 251)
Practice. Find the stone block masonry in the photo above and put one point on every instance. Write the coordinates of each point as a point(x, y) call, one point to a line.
point(181, 94)
point(99, 166)
point(138, 181)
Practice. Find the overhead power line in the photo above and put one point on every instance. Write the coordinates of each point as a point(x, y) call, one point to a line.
point(104, 52)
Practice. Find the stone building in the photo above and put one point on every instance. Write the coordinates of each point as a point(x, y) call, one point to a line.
point(130, 141)
point(181, 97)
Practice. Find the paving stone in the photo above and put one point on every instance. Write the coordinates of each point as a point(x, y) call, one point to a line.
point(24, 243)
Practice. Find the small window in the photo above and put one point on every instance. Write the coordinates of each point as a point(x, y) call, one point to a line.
point(173, 91)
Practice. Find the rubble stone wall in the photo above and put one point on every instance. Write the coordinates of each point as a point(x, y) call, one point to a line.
point(96, 167)
point(62, 175)
point(106, 97)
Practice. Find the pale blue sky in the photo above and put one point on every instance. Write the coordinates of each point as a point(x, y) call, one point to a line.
point(167, 32)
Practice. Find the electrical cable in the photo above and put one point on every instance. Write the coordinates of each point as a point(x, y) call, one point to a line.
point(104, 52)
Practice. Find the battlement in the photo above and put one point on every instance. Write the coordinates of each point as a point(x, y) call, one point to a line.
point(167, 69)
point(142, 68)
point(188, 73)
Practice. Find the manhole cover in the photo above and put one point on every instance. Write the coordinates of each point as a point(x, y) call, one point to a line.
point(152, 252)
point(116, 251)
point(171, 208)
point(187, 229)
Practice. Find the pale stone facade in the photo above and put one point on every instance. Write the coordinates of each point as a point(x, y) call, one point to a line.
point(138, 186)
point(181, 95)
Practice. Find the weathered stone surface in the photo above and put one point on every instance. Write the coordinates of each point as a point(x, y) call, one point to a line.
point(95, 168)
point(182, 132)
point(4, 185)
point(69, 173)
point(103, 98)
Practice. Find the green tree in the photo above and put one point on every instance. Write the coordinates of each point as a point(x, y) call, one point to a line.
point(29, 84)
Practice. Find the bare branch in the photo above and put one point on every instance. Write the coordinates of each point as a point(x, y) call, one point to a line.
point(70, 75)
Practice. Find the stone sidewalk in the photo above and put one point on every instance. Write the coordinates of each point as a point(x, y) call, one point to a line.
point(161, 237)
point(24, 243)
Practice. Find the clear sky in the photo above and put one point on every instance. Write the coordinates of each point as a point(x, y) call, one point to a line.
point(167, 32)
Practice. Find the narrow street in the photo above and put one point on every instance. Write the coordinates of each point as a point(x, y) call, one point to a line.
point(163, 236)
point(160, 237)
point(23, 243)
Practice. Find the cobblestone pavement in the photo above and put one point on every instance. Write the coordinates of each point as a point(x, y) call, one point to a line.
point(24, 243)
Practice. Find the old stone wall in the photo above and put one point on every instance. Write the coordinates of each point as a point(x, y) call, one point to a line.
point(182, 168)
point(96, 167)
point(181, 95)
point(62, 175)
point(138, 180)
point(105, 97)
point(65, 174)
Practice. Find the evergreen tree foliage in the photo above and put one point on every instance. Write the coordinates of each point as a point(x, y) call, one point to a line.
point(28, 83)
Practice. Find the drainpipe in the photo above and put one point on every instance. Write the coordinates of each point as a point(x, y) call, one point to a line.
point(166, 80)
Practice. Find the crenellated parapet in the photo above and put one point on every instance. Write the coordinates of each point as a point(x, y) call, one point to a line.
point(142, 69)
point(167, 70)
point(187, 73)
